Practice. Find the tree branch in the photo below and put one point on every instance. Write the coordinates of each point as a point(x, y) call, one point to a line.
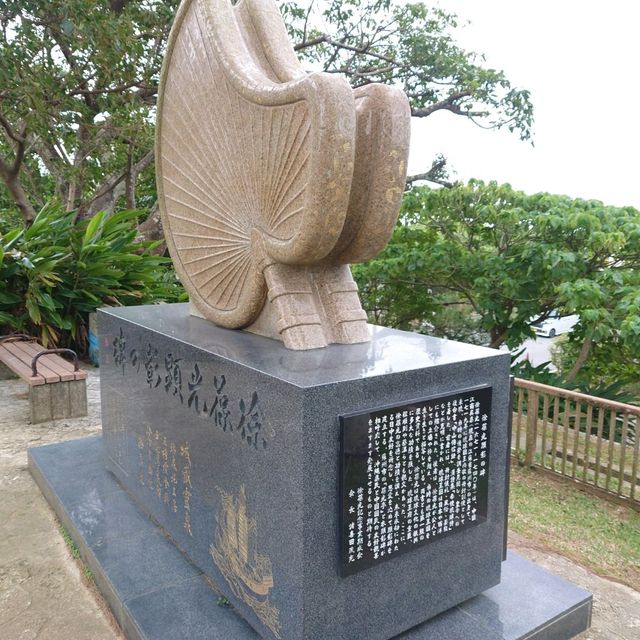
point(20, 152)
point(6, 125)
point(151, 230)
point(118, 6)
point(10, 172)
point(326, 39)
point(12, 182)
point(449, 104)
point(107, 191)
point(129, 188)
point(498, 336)
point(142, 164)
point(436, 174)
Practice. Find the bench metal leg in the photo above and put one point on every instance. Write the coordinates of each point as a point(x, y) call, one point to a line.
point(58, 400)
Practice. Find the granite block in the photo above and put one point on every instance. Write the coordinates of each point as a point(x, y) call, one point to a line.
point(201, 423)
point(180, 603)
point(153, 615)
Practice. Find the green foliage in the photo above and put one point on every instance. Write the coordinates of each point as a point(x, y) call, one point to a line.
point(611, 363)
point(54, 273)
point(78, 85)
point(410, 45)
point(615, 389)
point(69, 541)
point(9, 219)
point(506, 259)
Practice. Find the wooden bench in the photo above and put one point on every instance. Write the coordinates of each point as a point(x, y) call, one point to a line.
point(57, 387)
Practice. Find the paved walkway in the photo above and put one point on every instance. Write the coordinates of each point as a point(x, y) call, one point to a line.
point(42, 592)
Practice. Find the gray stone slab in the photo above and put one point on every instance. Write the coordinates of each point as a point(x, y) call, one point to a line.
point(389, 352)
point(157, 594)
point(255, 426)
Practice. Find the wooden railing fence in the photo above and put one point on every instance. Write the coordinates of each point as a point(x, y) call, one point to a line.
point(590, 440)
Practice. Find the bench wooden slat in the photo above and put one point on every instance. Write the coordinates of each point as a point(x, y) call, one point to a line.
point(49, 365)
point(57, 391)
point(25, 352)
point(63, 367)
point(16, 365)
point(15, 361)
point(25, 358)
point(54, 363)
point(44, 368)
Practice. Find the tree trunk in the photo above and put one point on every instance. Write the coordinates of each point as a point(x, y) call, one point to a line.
point(151, 230)
point(580, 360)
point(20, 197)
point(498, 335)
point(113, 187)
point(106, 202)
point(75, 186)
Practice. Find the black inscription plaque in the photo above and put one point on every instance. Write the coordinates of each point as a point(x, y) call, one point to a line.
point(412, 473)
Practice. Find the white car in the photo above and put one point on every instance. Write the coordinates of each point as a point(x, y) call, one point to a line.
point(555, 324)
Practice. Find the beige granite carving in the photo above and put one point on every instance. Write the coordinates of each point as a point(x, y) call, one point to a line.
point(272, 180)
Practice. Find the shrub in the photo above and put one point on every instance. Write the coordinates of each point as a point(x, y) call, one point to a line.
point(57, 271)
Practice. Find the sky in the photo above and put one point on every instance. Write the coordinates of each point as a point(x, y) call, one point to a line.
point(580, 60)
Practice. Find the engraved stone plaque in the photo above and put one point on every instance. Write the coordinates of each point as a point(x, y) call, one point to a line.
point(412, 473)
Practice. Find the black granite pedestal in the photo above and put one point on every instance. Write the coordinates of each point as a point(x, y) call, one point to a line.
point(156, 594)
point(354, 491)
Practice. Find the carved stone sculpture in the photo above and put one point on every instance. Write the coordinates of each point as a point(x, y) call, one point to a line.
point(271, 180)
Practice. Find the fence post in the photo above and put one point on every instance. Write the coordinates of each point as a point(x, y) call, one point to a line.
point(532, 427)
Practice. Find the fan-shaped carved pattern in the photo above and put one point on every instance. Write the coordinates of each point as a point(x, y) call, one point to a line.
point(255, 163)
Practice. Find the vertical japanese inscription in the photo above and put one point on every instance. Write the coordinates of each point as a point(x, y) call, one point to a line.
point(164, 468)
point(411, 474)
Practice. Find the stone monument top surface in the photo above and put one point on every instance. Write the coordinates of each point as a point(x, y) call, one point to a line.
point(272, 180)
point(388, 352)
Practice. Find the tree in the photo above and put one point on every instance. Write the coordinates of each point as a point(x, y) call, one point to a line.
point(78, 84)
point(504, 260)
point(77, 87)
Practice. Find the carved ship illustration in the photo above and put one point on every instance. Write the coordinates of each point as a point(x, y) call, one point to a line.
point(234, 551)
point(235, 546)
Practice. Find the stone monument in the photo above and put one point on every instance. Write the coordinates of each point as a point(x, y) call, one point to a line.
point(349, 484)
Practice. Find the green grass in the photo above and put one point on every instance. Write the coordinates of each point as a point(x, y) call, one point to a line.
point(75, 553)
point(72, 546)
point(599, 535)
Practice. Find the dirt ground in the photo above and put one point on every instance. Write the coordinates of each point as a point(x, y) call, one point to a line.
point(44, 596)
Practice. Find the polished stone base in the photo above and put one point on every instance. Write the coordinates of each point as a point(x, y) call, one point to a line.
point(156, 593)
point(252, 457)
